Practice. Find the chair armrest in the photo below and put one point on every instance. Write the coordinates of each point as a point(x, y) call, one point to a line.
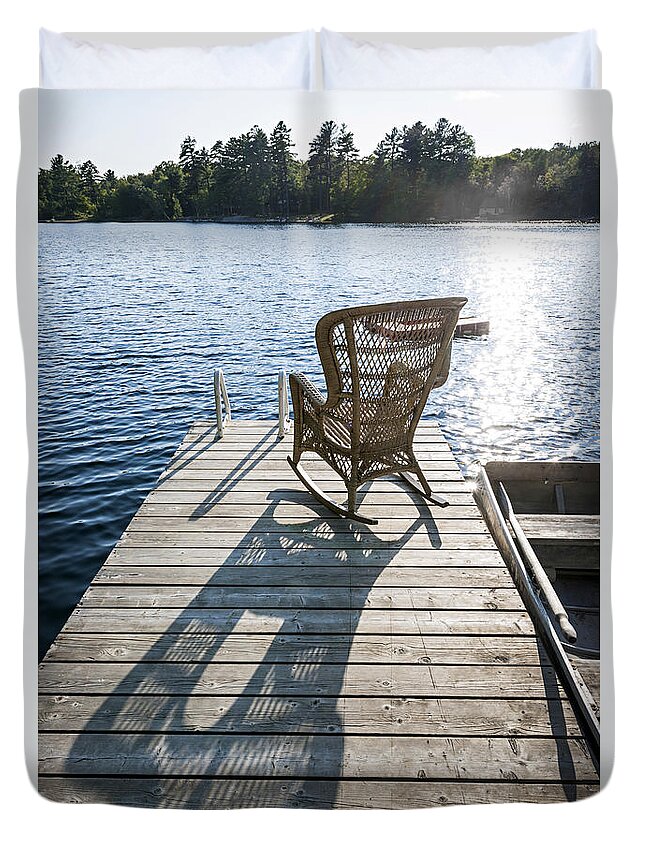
point(301, 384)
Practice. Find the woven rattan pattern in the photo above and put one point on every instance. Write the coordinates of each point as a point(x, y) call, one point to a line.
point(380, 364)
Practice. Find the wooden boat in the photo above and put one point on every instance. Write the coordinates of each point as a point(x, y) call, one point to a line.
point(545, 519)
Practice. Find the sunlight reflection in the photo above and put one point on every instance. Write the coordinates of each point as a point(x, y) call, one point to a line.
point(248, 622)
point(520, 398)
point(251, 556)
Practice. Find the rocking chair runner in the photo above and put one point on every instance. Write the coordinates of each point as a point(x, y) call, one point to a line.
point(380, 363)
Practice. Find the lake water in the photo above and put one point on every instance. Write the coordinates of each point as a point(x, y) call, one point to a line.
point(133, 318)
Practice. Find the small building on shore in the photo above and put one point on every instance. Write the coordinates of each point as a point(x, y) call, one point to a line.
point(491, 208)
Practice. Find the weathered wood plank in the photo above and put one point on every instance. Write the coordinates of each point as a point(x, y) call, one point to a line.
point(293, 648)
point(440, 453)
point(313, 540)
point(545, 473)
point(263, 439)
point(212, 460)
point(582, 527)
point(268, 430)
point(269, 426)
point(352, 756)
point(589, 669)
point(265, 429)
point(313, 678)
point(533, 497)
point(295, 555)
point(288, 575)
point(226, 621)
point(320, 715)
point(321, 597)
point(296, 793)
point(244, 444)
point(204, 498)
point(433, 457)
point(390, 516)
point(387, 530)
point(258, 474)
point(257, 441)
point(290, 510)
point(264, 482)
point(428, 454)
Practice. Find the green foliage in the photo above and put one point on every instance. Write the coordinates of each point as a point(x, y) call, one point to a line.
point(415, 174)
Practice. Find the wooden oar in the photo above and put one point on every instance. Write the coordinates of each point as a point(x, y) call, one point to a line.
point(543, 582)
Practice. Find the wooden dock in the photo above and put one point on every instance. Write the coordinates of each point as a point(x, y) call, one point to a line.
point(242, 646)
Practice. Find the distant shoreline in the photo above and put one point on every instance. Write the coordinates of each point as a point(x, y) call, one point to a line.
point(326, 220)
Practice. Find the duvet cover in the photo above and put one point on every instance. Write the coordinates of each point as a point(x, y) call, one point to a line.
point(211, 636)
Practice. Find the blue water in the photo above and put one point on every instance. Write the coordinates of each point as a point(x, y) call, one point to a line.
point(133, 318)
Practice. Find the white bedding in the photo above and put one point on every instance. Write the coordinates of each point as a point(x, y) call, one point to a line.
point(567, 62)
point(279, 63)
point(292, 61)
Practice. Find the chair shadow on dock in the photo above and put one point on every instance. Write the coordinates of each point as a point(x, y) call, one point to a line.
point(276, 720)
point(259, 452)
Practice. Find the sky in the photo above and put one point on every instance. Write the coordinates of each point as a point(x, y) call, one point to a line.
point(135, 130)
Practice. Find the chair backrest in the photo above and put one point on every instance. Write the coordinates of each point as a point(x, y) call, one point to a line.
point(385, 359)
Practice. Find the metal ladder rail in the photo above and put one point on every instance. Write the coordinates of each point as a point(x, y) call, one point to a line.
point(284, 424)
point(223, 405)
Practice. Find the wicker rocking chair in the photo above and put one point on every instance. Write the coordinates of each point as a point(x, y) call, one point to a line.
point(380, 363)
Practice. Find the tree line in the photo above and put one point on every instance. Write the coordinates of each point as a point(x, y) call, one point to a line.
point(415, 174)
